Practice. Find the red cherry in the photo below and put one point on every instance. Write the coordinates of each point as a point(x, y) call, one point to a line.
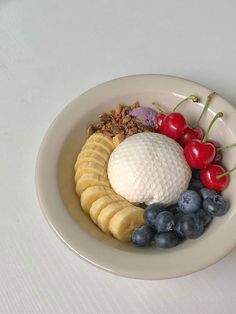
point(160, 117)
point(210, 177)
point(218, 155)
point(173, 125)
point(191, 134)
point(198, 155)
point(215, 143)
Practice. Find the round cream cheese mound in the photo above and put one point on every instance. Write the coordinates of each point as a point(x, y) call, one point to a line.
point(149, 168)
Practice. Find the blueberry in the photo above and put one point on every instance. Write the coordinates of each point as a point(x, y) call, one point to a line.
point(177, 216)
point(216, 205)
point(164, 221)
point(206, 192)
point(173, 208)
point(190, 226)
point(151, 213)
point(195, 185)
point(189, 201)
point(143, 235)
point(205, 216)
point(196, 174)
point(166, 240)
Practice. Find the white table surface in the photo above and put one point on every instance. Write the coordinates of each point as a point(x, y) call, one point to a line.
point(50, 52)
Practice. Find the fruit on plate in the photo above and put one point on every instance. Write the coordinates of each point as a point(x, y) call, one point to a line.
point(200, 153)
point(125, 221)
point(90, 157)
point(133, 155)
point(101, 203)
point(96, 195)
point(90, 179)
point(91, 194)
point(215, 177)
point(90, 167)
point(107, 214)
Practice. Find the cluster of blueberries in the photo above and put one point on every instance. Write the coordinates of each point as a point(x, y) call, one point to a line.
point(166, 227)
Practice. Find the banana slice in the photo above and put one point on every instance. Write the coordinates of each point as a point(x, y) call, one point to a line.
point(86, 157)
point(90, 179)
point(90, 167)
point(100, 203)
point(92, 147)
point(110, 211)
point(91, 194)
point(101, 140)
point(107, 213)
point(125, 221)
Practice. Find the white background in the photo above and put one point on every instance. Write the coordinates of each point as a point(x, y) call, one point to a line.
point(50, 52)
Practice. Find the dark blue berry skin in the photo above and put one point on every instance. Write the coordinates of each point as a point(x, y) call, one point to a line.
point(196, 174)
point(173, 208)
point(195, 185)
point(190, 226)
point(166, 240)
point(143, 235)
point(189, 201)
point(149, 232)
point(164, 221)
point(151, 213)
point(216, 205)
point(206, 192)
point(178, 215)
point(205, 216)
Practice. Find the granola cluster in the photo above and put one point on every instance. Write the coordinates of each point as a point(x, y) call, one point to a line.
point(119, 123)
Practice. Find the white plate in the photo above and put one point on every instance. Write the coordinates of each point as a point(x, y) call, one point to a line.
point(56, 191)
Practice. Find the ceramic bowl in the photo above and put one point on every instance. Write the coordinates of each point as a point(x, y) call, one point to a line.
point(60, 204)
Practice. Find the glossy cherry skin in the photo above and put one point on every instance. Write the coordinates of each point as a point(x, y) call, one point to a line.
point(191, 134)
point(174, 125)
point(218, 156)
point(198, 155)
point(209, 175)
point(160, 117)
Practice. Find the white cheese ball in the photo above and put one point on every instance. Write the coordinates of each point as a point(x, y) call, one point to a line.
point(149, 168)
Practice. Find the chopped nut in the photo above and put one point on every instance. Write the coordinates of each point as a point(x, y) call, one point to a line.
point(119, 123)
point(118, 110)
point(126, 119)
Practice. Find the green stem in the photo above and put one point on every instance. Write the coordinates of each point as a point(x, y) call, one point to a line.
point(218, 115)
point(220, 149)
point(191, 97)
point(206, 105)
point(225, 173)
point(159, 108)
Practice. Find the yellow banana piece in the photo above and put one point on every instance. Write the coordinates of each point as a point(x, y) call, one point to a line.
point(90, 167)
point(108, 212)
point(93, 157)
point(100, 203)
point(125, 221)
point(88, 180)
point(101, 140)
point(91, 194)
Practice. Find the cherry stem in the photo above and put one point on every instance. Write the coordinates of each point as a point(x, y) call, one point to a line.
point(159, 108)
point(191, 97)
point(206, 105)
point(226, 173)
point(217, 116)
point(220, 149)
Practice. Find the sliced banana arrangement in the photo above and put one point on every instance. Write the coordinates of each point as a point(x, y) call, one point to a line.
point(109, 211)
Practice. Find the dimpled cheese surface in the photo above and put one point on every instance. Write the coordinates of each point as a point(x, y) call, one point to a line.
point(149, 168)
